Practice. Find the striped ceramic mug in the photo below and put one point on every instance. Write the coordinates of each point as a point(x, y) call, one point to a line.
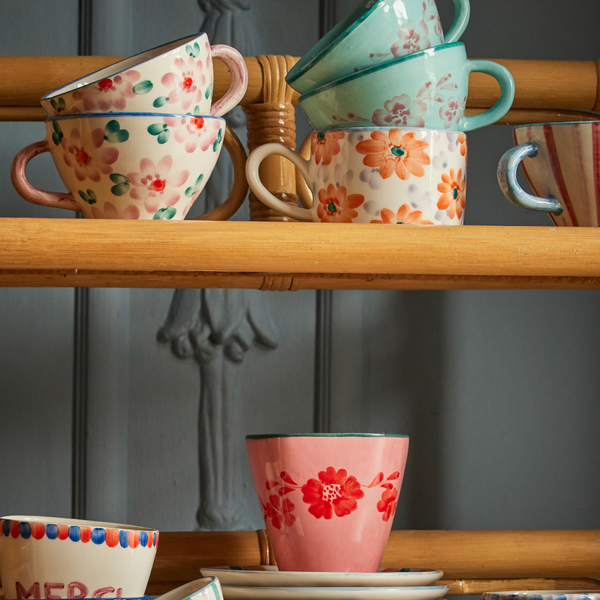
point(562, 164)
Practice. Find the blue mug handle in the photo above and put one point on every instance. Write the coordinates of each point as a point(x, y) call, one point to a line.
point(507, 94)
point(507, 178)
point(462, 13)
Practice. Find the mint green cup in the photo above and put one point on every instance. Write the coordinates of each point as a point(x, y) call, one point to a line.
point(425, 89)
point(375, 32)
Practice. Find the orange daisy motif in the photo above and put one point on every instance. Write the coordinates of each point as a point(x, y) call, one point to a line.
point(324, 146)
point(335, 206)
point(462, 138)
point(404, 216)
point(395, 153)
point(453, 188)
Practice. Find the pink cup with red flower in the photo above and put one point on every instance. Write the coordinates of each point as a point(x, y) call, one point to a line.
point(176, 77)
point(381, 175)
point(129, 166)
point(328, 499)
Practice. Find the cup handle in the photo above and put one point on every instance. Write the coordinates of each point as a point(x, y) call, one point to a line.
point(31, 193)
point(239, 79)
point(240, 185)
point(462, 13)
point(507, 94)
point(260, 191)
point(507, 178)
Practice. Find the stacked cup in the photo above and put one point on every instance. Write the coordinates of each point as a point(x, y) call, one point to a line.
point(140, 138)
point(386, 93)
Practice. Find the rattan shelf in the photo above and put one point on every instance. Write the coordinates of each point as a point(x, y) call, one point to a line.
point(293, 256)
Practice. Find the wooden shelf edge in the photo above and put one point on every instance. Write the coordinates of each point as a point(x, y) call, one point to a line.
point(291, 256)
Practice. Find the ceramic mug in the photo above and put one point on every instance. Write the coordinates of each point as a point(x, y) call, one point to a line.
point(176, 78)
point(328, 499)
point(425, 89)
point(376, 175)
point(376, 31)
point(561, 162)
point(205, 588)
point(47, 557)
point(128, 166)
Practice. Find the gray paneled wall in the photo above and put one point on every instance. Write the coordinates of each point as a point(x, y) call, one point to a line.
point(498, 390)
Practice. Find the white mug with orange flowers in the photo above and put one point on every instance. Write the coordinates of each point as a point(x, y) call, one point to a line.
point(405, 176)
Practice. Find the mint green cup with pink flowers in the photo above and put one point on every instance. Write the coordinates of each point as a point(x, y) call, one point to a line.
point(375, 32)
point(328, 499)
point(425, 89)
point(176, 78)
point(126, 166)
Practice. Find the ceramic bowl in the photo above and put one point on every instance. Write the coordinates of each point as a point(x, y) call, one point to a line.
point(544, 595)
point(176, 77)
point(47, 557)
point(426, 89)
point(375, 32)
point(126, 166)
point(328, 500)
point(206, 588)
point(404, 175)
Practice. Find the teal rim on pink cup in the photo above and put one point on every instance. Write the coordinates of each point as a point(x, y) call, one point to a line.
point(328, 500)
point(375, 32)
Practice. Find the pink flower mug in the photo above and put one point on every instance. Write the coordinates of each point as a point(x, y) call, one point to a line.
point(328, 499)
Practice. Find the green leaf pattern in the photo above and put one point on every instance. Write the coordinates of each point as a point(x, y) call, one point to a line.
point(114, 134)
point(57, 135)
point(88, 196)
point(121, 186)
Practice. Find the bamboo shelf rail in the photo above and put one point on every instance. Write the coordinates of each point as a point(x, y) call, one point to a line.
point(292, 256)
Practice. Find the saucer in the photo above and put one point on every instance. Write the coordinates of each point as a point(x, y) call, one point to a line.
point(334, 593)
point(270, 576)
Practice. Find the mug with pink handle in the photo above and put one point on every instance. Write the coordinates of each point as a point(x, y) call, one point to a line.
point(176, 78)
point(328, 499)
point(132, 166)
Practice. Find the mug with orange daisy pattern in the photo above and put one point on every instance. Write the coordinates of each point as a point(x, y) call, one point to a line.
point(408, 175)
point(328, 500)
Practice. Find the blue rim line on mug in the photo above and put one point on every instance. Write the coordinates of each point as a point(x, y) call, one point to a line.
point(129, 114)
point(265, 436)
point(379, 67)
point(169, 46)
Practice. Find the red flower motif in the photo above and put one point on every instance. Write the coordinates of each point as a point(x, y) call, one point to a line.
point(388, 503)
point(336, 206)
point(324, 146)
point(278, 510)
point(334, 491)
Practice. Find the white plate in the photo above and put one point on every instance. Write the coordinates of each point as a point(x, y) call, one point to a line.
point(334, 593)
point(269, 576)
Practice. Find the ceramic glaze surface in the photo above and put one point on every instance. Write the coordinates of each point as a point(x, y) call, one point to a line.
point(176, 78)
point(42, 557)
point(397, 176)
point(127, 166)
point(271, 576)
point(328, 501)
point(543, 595)
point(206, 588)
point(375, 32)
point(562, 165)
point(333, 593)
point(426, 89)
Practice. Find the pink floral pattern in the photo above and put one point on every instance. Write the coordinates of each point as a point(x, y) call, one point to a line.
point(413, 37)
point(431, 18)
point(186, 82)
point(88, 155)
point(194, 132)
point(452, 111)
point(401, 111)
point(108, 94)
point(155, 184)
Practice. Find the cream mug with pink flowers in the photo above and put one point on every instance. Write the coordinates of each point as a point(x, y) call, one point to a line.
point(130, 166)
point(328, 499)
point(176, 78)
point(408, 176)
